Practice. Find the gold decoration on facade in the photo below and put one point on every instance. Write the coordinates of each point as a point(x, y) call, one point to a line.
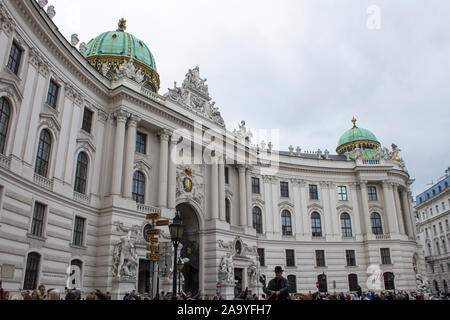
point(354, 122)
point(365, 144)
point(115, 61)
point(122, 25)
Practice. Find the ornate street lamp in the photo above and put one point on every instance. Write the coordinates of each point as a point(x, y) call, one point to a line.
point(176, 234)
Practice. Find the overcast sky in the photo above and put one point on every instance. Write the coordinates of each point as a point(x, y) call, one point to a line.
point(303, 67)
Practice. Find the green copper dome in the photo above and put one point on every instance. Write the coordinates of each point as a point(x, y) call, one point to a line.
point(118, 47)
point(354, 136)
point(121, 44)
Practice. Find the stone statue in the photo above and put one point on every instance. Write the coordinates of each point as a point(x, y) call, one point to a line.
point(105, 69)
point(42, 3)
point(51, 12)
point(422, 284)
point(125, 258)
point(252, 272)
point(74, 39)
point(358, 152)
point(83, 48)
point(226, 269)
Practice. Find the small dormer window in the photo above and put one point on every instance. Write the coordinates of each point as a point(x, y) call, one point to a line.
point(114, 35)
point(141, 43)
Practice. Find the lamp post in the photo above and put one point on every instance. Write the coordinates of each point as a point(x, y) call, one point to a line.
point(176, 234)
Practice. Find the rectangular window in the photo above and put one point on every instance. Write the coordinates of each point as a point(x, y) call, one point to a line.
point(37, 225)
point(372, 193)
point(290, 258)
point(313, 192)
point(351, 258)
point(14, 58)
point(447, 226)
point(284, 186)
point(227, 175)
point(52, 95)
point(443, 206)
point(320, 258)
point(262, 257)
point(342, 194)
point(78, 233)
point(441, 228)
point(386, 256)
point(426, 232)
point(141, 143)
point(437, 209)
point(87, 120)
point(255, 186)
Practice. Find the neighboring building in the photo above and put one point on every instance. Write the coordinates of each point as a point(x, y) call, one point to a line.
point(432, 212)
point(85, 148)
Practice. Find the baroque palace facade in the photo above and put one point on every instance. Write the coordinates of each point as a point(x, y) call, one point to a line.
point(87, 144)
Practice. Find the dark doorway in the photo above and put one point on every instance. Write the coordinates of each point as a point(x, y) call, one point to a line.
point(144, 276)
point(191, 248)
point(239, 276)
point(323, 285)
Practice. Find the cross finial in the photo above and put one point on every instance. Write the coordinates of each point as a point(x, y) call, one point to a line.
point(122, 25)
point(354, 122)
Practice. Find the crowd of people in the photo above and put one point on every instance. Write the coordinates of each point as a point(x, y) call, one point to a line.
point(274, 291)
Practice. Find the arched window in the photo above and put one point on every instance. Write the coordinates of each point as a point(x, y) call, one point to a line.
point(74, 280)
point(5, 113)
point(228, 210)
point(389, 283)
point(316, 225)
point(292, 281)
point(323, 285)
point(346, 225)
point(257, 220)
point(377, 226)
point(43, 154)
point(436, 286)
point(353, 282)
point(32, 271)
point(81, 173)
point(139, 187)
point(286, 222)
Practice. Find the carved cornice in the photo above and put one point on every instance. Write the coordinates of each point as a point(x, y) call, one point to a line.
point(7, 23)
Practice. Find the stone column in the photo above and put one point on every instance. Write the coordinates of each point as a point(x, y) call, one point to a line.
point(333, 204)
point(299, 226)
point(248, 180)
point(304, 209)
point(325, 197)
point(356, 214)
point(410, 213)
point(116, 185)
point(365, 207)
point(268, 199)
point(129, 156)
point(407, 220)
point(400, 212)
point(222, 209)
point(172, 184)
point(242, 196)
point(215, 190)
point(389, 207)
point(164, 136)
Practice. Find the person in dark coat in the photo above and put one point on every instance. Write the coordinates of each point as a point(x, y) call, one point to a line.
point(278, 288)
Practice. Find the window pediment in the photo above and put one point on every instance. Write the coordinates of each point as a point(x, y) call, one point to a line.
point(51, 121)
point(86, 142)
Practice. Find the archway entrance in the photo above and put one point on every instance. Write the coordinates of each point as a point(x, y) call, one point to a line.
point(191, 248)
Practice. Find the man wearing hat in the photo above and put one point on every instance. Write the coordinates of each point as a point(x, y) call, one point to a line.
point(278, 288)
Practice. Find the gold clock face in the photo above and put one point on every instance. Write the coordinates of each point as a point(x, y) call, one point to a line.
point(187, 183)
